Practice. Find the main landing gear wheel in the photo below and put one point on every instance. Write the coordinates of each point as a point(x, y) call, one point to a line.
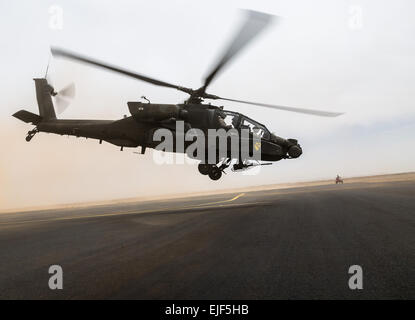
point(215, 173)
point(204, 168)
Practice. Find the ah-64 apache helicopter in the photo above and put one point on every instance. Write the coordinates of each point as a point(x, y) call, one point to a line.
point(138, 129)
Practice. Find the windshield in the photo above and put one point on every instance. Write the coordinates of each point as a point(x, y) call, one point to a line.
point(239, 121)
point(255, 127)
point(232, 119)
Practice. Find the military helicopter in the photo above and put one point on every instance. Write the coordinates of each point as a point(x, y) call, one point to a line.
point(138, 129)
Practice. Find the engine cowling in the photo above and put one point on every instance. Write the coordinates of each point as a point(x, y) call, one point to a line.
point(156, 112)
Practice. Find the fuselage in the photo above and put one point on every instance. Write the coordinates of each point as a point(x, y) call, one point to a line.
point(128, 132)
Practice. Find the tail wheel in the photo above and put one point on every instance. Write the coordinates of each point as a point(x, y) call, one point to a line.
point(31, 134)
point(204, 168)
point(215, 173)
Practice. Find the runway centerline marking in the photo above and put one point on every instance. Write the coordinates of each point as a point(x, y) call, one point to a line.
point(222, 203)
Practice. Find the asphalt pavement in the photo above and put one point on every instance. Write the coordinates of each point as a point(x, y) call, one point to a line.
point(277, 244)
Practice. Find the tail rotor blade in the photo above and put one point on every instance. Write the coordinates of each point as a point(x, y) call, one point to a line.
point(68, 91)
point(63, 98)
point(61, 104)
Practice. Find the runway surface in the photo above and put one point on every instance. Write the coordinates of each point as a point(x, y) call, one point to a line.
point(278, 244)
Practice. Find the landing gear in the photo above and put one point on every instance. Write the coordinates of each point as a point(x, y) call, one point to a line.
point(31, 134)
point(211, 170)
point(204, 168)
point(215, 173)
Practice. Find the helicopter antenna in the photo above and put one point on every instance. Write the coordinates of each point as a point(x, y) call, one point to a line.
point(47, 67)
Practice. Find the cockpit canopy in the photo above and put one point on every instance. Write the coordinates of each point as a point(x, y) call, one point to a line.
point(240, 121)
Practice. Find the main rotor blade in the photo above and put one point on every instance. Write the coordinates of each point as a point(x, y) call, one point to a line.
point(292, 109)
point(254, 23)
point(74, 56)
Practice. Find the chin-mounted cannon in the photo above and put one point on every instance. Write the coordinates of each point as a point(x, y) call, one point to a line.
point(291, 146)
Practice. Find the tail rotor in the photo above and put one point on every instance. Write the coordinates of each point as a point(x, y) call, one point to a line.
point(63, 97)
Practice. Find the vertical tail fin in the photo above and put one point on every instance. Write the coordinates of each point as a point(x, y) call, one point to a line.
point(44, 99)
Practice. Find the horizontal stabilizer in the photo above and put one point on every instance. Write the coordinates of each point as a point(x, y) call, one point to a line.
point(28, 117)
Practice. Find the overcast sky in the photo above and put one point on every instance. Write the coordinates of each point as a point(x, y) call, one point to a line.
point(351, 56)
